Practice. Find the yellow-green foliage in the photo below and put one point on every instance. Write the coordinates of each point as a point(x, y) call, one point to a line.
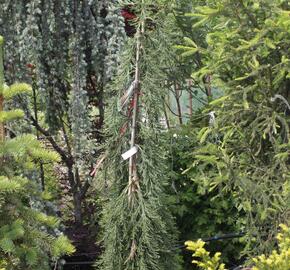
point(8, 93)
point(62, 246)
point(277, 260)
point(26, 148)
point(26, 238)
point(16, 89)
point(246, 152)
point(11, 185)
point(10, 115)
point(205, 261)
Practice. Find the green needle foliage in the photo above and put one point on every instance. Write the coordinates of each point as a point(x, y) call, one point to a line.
point(138, 227)
point(247, 53)
point(24, 239)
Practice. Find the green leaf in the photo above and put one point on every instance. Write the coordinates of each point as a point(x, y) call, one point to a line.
point(245, 102)
point(206, 158)
point(269, 43)
point(204, 135)
point(207, 10)
point(282, 156)
point(190, 42)
point(199, 23)
point(219, 100)
point(189, 52)
point(243, 77)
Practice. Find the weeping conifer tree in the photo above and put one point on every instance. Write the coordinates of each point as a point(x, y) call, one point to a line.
point(72, 48)
point(138, 228)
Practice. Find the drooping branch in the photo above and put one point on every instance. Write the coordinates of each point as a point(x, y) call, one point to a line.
point(133, 185)
point(67, 158)
point(87, 184)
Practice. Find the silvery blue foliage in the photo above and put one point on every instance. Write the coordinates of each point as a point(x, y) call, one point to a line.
point(78, 102)
point(71, 47)
point(115, 30)
point(40, 32)
point(43, 33)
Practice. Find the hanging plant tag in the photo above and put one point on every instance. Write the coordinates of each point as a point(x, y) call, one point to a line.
point(130, 153)
point(212, 118)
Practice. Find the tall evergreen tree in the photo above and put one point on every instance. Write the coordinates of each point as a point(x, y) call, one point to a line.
point(24, 239)
point(138, 228)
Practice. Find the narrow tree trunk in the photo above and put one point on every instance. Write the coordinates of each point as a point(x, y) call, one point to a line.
point(77, 202)
point(166, 116)
point(41, 167)
point(207, 82)
point(77, 196)
point(190, 98)
point(177, 97)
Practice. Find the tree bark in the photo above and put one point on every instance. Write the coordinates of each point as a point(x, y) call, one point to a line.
point(77, 202)
point(190, 98)
point(166, 116)
point(75, 190)
point(207, 83)
point(177, 97)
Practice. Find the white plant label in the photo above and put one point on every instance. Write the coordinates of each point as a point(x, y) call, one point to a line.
point(130, 153)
